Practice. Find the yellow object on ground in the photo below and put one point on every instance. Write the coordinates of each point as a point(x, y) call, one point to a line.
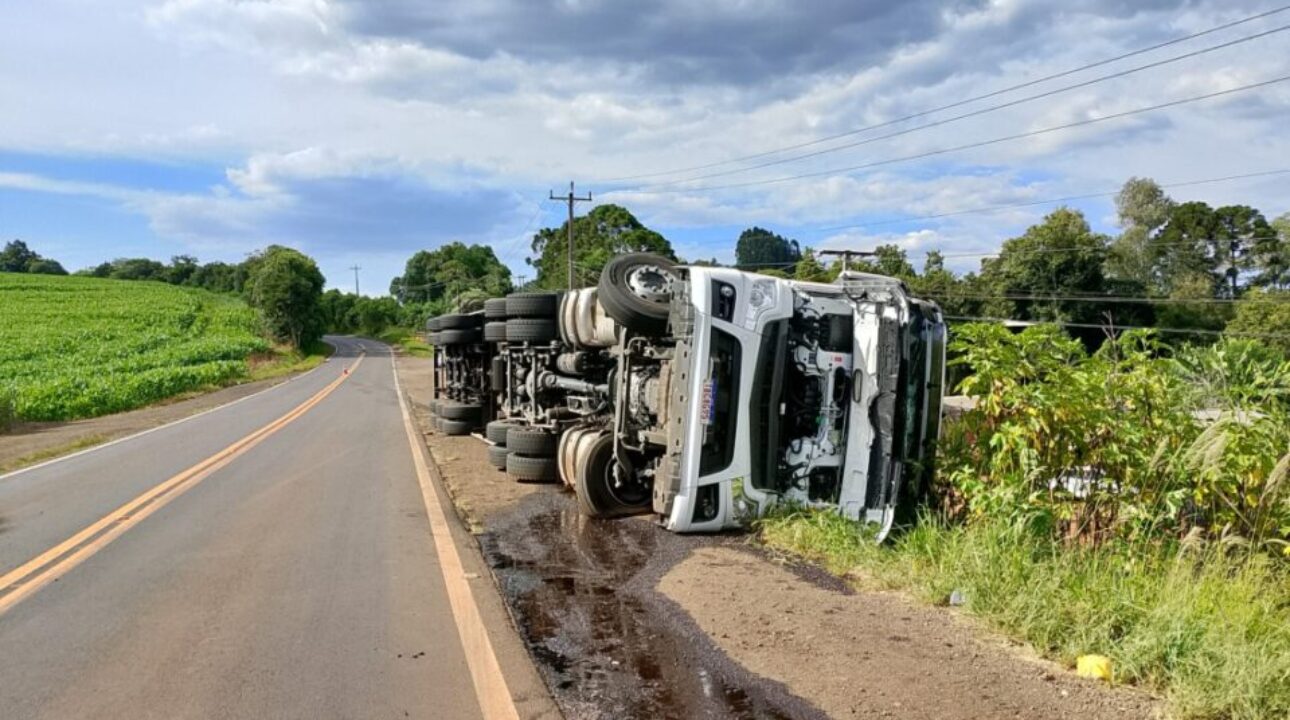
point(1094, 666)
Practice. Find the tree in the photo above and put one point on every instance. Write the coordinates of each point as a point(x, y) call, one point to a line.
point(811, 269)
point(1215, 242)
point(181, 270)
point(285, 285)
point(605, 232)
point(889, 260)
point(1271, 256)
point(1264, 313)
point(1143, 208)
point(137, 269)
point(759, 248)
point(431, 275)
point(17, 257)
point(44, 266)
point(1039, 275)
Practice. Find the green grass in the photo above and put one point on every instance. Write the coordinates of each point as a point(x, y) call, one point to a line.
point(74, 347)
point(411, 343)
point(1207, 627)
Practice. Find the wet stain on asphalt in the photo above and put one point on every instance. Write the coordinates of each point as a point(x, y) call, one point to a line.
point(609, 646)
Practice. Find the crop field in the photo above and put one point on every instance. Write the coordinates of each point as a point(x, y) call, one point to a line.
point(74, 347)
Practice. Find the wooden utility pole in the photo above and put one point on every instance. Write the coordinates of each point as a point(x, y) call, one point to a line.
point(571, 199)
point(355, 268)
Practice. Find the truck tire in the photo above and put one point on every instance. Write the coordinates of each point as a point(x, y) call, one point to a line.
point(458, 321)
point(635, 290)
point(456, 427)
point(530, 330)
point(497, 374)
point(495, 309)
point(459, 337)
point(531, 469)
point(533, 442)
point(434, 406)
point(452, 410)
point(496, 431)
point(497, 456)
point(432, 339)
point(495, 331)
point(532, 305)
point(598, 490)
point(433, 324)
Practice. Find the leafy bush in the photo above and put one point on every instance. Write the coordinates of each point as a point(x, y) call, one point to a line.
point(1125, 443)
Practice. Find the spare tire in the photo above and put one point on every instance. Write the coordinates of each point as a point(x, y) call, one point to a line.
point(532, 305)
point(636, 291)
point(531, 469)
point(495, 331)
point(495, 309)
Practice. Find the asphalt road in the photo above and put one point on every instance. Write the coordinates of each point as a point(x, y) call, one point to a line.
point(298, 580)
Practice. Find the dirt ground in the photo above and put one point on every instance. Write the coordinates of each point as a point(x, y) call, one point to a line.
point(627, 620)
point(873, 655)
point(32, 442)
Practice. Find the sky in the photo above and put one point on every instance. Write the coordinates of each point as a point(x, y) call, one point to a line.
point(361, 132)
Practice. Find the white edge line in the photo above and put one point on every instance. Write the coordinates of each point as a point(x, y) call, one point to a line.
point(172, 423)
point(491, 689)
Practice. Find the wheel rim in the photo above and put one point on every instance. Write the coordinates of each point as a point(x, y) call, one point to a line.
point(624, 488)
point(650, 283)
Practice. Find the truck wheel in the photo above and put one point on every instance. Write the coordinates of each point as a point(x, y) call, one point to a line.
point(456, 427)
point(496, 431)
point(636, 291)
point(433, 338)
point(434, 406)
point(459, 337)
point(532, 305)
point(495, 309)
point(497, 456)
point(451, 410)
point(605, 488)
point(433, 324)
point(533, 442)
point(458, 321)
point(530, 330)
point(495, 331)
point(531, 469)
point(497, 374)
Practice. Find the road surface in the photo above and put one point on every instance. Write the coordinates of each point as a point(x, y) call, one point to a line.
point(251, 562)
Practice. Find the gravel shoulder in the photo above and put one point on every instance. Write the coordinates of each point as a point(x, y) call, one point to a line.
point(875, 654)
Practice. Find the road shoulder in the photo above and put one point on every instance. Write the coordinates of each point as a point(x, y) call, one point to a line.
point(528, 691)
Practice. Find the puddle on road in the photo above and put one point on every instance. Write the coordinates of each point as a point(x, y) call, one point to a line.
point(577, 588)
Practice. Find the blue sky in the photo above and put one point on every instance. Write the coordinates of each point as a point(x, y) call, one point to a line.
point(361, 132)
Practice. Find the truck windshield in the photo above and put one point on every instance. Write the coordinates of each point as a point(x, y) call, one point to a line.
point(763, 411)
point(717, 411)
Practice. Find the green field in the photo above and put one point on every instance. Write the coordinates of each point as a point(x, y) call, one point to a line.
point(73, 347)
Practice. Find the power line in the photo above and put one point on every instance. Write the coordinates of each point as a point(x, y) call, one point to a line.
point(1032, 203)
point(974, 113)
point(571, 198)
point(1095, 326)
point(978, 144)
point(960, 103)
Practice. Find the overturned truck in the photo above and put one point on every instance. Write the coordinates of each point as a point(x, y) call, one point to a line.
point(704, 395)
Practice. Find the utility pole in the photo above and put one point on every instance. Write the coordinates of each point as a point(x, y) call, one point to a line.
point(846, 256)
point(571, 199)
point(355, 268)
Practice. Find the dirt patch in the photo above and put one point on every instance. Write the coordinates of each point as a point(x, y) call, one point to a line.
point(32, 442)
point(874, 655)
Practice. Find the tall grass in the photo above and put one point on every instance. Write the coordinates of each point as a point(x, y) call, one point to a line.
point(1205, 625)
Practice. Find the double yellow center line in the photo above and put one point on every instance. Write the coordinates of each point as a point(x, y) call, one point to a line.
point(25, 580)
